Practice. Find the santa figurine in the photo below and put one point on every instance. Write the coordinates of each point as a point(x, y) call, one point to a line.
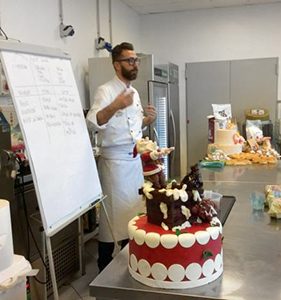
point(152, 161)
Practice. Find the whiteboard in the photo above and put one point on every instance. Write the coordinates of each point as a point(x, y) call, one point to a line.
point(50, 114)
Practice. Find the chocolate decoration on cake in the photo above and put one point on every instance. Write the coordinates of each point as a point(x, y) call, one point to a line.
point(179, 205)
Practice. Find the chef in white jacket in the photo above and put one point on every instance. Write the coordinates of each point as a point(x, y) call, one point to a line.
point(118, 116)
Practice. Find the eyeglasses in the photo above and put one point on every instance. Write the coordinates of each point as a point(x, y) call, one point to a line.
point(131, 60)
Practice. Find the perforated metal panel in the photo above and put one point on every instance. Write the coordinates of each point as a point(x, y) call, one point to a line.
point(161, 127)
point(66, 259)
point(65, 246)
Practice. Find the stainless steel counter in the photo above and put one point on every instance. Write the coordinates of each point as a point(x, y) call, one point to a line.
point(252, 247)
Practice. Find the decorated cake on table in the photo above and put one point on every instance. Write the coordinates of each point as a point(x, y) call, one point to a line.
point(178, 243)
point(228, 140)
point(227, 147)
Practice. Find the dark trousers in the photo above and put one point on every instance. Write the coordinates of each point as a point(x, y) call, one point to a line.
point(105, 251)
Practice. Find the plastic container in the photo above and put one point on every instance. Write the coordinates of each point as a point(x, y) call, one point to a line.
point(13, 279)
point(257, 200)
point(215, 197)
point(257, 114)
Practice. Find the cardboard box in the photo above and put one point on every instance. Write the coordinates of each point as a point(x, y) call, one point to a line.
point(211, 129)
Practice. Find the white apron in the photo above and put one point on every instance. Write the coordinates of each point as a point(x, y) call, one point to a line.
point(121, 177)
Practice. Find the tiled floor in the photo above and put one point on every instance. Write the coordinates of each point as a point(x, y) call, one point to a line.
point(78, 288)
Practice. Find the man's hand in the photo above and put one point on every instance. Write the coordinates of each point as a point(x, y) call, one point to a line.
point(124, 99)
point(150, 114)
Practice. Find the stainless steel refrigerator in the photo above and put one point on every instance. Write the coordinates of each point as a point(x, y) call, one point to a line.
point(157, 85)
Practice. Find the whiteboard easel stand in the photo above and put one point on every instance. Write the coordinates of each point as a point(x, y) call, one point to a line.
point(81, 234)
point(50, 252)
point(116, 246)
point(34, 72)
point(52, 268)
point(81, 245)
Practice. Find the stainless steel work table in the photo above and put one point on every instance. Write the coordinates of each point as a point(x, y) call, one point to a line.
point(252, 247)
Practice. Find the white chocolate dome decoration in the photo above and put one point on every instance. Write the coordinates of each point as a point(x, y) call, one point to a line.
point(220, 228)
point(133, 221)
point(133, 262)
point(152, 239)
point(193, 271)
point(202, 237)
point(169, 241)
point(186, 240)
point(159, 271)
point(176, 273)
point(214, 232)
point(218, 262)
point(144, 267)
point(131, 231)
point(139, 236)
point(208, 267)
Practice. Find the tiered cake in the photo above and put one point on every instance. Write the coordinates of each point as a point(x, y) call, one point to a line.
point(178, 244)
point(227, 140)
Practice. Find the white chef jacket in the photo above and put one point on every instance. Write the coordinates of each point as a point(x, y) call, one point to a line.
point(125, 127)
point(120, 173)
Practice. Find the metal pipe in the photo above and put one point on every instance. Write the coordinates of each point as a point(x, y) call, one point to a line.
point(60, 11)
point(98, 18)
point(110, 20)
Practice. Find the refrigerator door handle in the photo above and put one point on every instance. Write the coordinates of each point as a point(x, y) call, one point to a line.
point(174, 134)
point(156, 135)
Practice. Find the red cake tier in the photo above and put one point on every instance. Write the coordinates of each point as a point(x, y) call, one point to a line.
point(162, 258)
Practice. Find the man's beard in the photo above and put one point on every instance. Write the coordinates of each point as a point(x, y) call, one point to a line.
point(129, 74)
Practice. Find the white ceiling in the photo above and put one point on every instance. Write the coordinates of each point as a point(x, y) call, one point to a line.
point(164, 6)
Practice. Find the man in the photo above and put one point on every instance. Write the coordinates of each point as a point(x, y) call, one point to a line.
point(118, 116)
